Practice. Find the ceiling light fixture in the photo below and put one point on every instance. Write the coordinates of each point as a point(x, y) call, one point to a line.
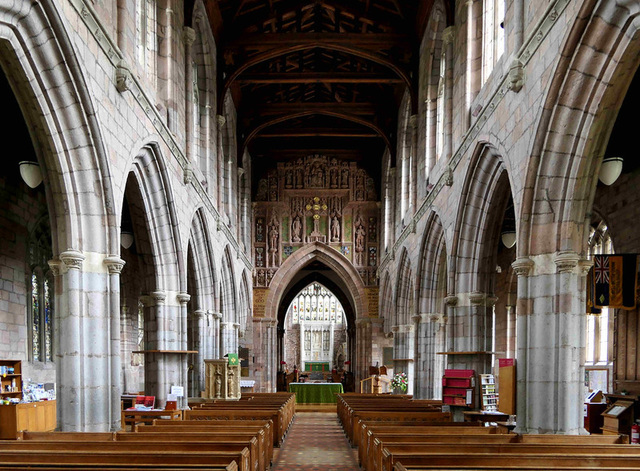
point(509, 238)
point(30, 173)
point(610, 170)
point(126, 239)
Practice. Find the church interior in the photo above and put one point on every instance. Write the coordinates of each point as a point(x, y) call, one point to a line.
point(426, 201)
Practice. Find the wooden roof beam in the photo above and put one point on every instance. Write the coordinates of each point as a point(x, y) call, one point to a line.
point(317, 77)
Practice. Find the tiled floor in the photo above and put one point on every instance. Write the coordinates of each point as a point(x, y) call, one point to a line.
point(315, 442)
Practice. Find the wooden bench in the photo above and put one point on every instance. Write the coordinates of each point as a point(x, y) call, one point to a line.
point(384, 416)
point(237, 414)
point(408, 453)
point(100, 459)
point(148, 447)
point(134, 417)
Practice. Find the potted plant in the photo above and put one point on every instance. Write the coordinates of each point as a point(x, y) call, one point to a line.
point(399, 383)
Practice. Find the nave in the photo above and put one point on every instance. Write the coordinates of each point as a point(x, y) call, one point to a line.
point(315, 441)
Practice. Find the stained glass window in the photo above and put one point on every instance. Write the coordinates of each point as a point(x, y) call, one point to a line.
point(48, 327)
point(35, 317)
point(316, 303)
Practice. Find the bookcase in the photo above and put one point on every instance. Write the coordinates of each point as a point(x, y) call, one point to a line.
point(458, 387)
point(488, 393)
point(10, 379)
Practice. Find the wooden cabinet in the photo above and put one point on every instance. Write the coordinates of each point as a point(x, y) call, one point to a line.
point(31, 416)
point(593, 420)
point(507, 385)
point(10, 379)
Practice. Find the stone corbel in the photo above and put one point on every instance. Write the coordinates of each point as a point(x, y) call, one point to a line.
point(584, 266)
point(189, 35)
point(187, 177)
point(448, 177)
point(124, 81)
point(476, 298)
point(56, 266)
point(516, 76)
point(451, 300)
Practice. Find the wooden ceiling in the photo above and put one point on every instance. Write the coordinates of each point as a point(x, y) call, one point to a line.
point(317, 76)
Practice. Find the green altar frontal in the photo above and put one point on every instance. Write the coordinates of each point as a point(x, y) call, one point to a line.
point(316, 366)
point(316, 393)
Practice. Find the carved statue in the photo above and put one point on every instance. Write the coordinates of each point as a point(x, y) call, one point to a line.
point(335, 229)
point(218, 383)
point(296, 229)
point(274, 233)
point(231, 392)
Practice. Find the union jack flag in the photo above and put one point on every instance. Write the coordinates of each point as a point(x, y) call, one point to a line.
point(601, 269)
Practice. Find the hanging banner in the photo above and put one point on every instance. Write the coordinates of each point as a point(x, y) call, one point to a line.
point(614, 280)
point(372, 295)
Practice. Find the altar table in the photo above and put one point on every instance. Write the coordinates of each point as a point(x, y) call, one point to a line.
point(316, 393)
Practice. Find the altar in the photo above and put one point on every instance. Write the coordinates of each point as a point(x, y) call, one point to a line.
point(316, 393)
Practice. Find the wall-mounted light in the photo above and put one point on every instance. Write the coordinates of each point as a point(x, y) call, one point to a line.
point(509, 238)
point(30, 173)
point(610, 170)
point(126, 239)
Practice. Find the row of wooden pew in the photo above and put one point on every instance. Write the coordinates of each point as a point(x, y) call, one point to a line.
point(233, 436)
point(391, 440)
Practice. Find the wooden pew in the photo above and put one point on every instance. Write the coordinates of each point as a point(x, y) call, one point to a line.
point(238, 414)
point(133, 448)
point(408, 453)
point(99, 459)
point(385, 416)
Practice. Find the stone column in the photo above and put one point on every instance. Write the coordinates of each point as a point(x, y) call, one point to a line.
point(448, 36)
point(473, 62)
point(114, 265)
point(68, 336)
point(413, 191)
point(200, 344)
point(189, 36)
point(331, 337)
point(302, 358)
point(551, 340)
point(221, 160)
point(183, 298)
point(215, 344)
point(363, 351)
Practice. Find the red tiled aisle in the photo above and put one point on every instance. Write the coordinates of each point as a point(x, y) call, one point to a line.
point(316, 442)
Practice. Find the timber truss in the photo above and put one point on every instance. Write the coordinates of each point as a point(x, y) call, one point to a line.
point(321, 76)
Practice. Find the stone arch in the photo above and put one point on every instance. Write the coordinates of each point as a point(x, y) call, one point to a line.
point(203, 262)
point(228, 294)
point(482, 203)
point(56, 102)
point(404, 296)
point(345, 271)
point(245, 302)
point(387, 306)
point(149, 172)
point(432, 250)
point(575, 126)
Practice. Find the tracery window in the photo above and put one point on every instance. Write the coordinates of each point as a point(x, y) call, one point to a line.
point(40, 306)
point(315, 303)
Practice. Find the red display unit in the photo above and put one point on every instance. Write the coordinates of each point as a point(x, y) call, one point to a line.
point(458, 387)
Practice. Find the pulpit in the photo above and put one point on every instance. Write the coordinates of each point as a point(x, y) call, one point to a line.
point(222, 380)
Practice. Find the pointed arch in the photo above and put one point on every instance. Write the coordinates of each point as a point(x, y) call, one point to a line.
point(203, 261)
point(387, 306)
point(433, 253)
point(228, 295)
point(483, 201)
point(346, 274)
point(149, 173)
point(405, 298)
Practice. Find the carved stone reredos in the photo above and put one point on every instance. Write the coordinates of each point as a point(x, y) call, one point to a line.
point(316, 199)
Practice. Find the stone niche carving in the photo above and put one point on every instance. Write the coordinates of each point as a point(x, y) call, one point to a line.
point(315, 199)
point(222, 381)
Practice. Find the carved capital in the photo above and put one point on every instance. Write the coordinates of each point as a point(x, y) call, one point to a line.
point(448, 34)
point(476, 298)
point(215, 315)
point(451, 300)
point(566, 261)
point(522, 266)
point(183, 298)
point(221, 121)
point(159, 297)
point(72, 259)
point(198, 314)
point(585, 265)
point(189, 35)
point(492, 299)
point(516, 76)
point(147, 301)
point(124, 81)
point(56, 266)
point(114, 265)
